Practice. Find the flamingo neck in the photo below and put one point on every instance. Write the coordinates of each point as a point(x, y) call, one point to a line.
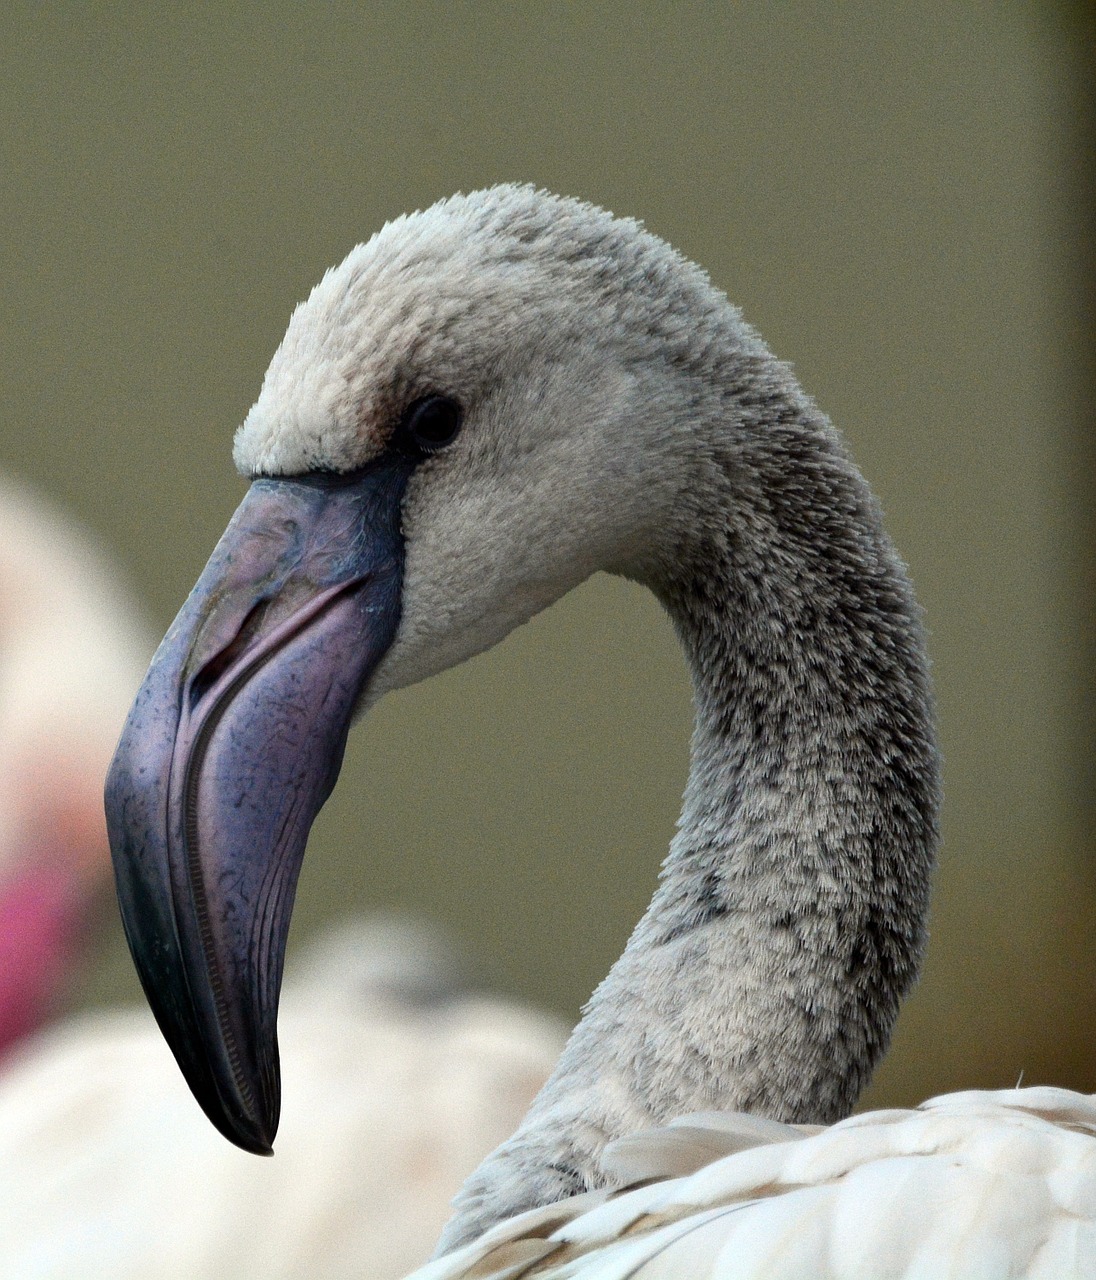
point(788, 920)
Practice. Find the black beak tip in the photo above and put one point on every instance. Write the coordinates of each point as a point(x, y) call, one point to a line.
point(245, 1129)
point(250, 1140)
point(256, 1143)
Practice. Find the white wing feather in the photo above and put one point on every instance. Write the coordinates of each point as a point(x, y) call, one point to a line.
point(971, 1185)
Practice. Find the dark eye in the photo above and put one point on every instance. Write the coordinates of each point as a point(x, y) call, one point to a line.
point(432, 422)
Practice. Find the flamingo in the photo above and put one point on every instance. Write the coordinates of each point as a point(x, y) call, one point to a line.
point(72, 650)
point(484, 404)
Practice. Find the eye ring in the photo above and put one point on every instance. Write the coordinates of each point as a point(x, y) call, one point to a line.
point(431, 423)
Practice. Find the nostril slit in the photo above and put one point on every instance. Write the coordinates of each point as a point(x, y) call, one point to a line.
point(208, 676)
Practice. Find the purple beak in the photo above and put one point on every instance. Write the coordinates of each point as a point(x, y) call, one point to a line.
point(233, 744)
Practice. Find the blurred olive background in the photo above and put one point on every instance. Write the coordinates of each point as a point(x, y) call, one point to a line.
point(894, 195)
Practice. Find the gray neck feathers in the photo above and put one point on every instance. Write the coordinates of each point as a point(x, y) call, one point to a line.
point(788, 920)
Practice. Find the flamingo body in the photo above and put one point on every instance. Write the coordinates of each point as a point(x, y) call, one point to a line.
point(979, 1185)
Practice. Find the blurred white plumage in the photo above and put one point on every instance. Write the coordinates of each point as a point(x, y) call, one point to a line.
point(399, 1086)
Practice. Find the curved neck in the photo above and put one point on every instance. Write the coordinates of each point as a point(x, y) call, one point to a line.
point(789, 916)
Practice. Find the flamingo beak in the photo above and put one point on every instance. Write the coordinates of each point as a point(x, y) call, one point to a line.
point(231, 748)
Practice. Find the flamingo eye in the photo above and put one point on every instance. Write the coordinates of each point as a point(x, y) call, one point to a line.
point(431, 423)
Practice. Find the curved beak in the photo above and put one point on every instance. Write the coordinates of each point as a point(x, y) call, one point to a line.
point(232, 746)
